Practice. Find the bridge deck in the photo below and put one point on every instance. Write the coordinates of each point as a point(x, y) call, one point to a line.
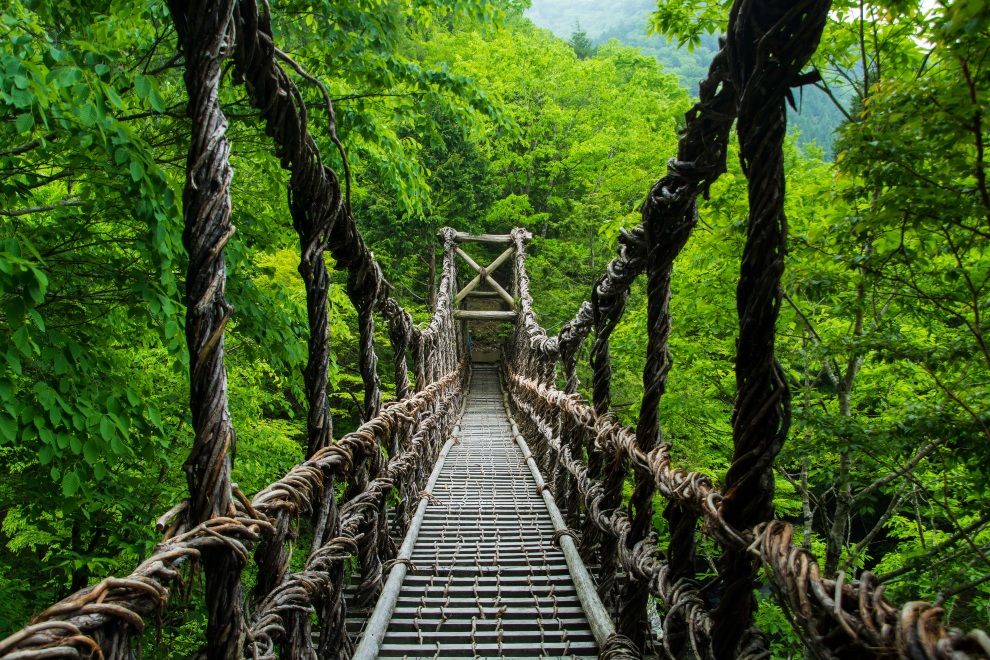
point(489, 579)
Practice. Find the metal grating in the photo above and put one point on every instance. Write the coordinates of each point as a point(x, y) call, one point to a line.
point(489, 581)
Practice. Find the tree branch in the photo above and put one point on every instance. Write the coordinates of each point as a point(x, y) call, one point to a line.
point(71, 201)
point(896, 474)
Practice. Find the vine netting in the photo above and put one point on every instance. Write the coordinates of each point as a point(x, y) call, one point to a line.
point(218, 526)
point(592, 455)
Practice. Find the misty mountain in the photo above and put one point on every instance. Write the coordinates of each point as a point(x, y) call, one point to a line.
point(627, 21)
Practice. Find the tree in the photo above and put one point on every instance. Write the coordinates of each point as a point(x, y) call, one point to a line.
point(582, 45)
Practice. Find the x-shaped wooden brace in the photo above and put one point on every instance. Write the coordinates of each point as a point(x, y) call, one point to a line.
point(485, 274)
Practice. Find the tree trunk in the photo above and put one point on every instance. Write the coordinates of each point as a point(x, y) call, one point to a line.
point(80, 576)
point(839, 531)
point(809, 514)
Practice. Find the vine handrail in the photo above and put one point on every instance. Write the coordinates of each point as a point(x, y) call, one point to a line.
point(593, 454)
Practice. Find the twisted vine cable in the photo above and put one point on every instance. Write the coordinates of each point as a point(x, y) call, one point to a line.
point(574, 437)
point(316, 205)
point(607, 311)
point(669, 216)
point(204, 30)
point(400, 334)
point(769, 42)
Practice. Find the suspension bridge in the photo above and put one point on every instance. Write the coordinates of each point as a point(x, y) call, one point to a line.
point(480, 513)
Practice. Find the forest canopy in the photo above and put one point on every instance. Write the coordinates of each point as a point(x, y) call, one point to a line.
point(465, 114)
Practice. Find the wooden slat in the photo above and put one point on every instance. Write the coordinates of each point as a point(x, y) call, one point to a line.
point(484, 315)
point(497, 239)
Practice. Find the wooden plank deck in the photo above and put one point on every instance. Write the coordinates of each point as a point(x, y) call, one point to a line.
point(489, 579)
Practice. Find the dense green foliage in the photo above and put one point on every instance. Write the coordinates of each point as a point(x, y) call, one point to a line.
point(466, 114)
point(814, 118)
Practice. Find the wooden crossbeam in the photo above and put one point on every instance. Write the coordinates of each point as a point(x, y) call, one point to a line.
point(497, 239)
point(484, 315)
point(485, 274)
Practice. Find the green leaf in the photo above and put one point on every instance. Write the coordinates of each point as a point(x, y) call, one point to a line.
point(122, 425)
point(106, 428)
point(91, 453)
point(115, 98)
point(70, 484)
point(88, 115)
point(41, 281)
point(37, 318)
point(24, 122)
point(14, 362)
point(46, 454)
point(137, 170)
point(157, 104)
point(45, 394)
point(155, 416)
point(142, 85)
point(22, 339)
point(8, 427)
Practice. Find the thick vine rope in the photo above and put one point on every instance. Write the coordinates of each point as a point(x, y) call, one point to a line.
point(218, 526)
point(205, 30)
point(767, 50)
point(769, 43)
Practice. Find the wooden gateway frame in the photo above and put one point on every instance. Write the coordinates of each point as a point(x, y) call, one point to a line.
point(484, 274)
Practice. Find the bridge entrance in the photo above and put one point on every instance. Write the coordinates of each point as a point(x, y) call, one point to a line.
point(489, 300)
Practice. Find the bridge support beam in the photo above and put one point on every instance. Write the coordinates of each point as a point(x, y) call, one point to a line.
point(484, 315)
point(598, 617)
point(486, 275)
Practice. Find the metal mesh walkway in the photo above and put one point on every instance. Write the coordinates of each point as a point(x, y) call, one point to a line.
point(489, 578)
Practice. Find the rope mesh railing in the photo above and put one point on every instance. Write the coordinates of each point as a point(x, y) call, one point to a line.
point(748, 83)
point(218, 526)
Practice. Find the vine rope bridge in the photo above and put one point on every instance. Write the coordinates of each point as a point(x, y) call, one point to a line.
point(503, 550)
